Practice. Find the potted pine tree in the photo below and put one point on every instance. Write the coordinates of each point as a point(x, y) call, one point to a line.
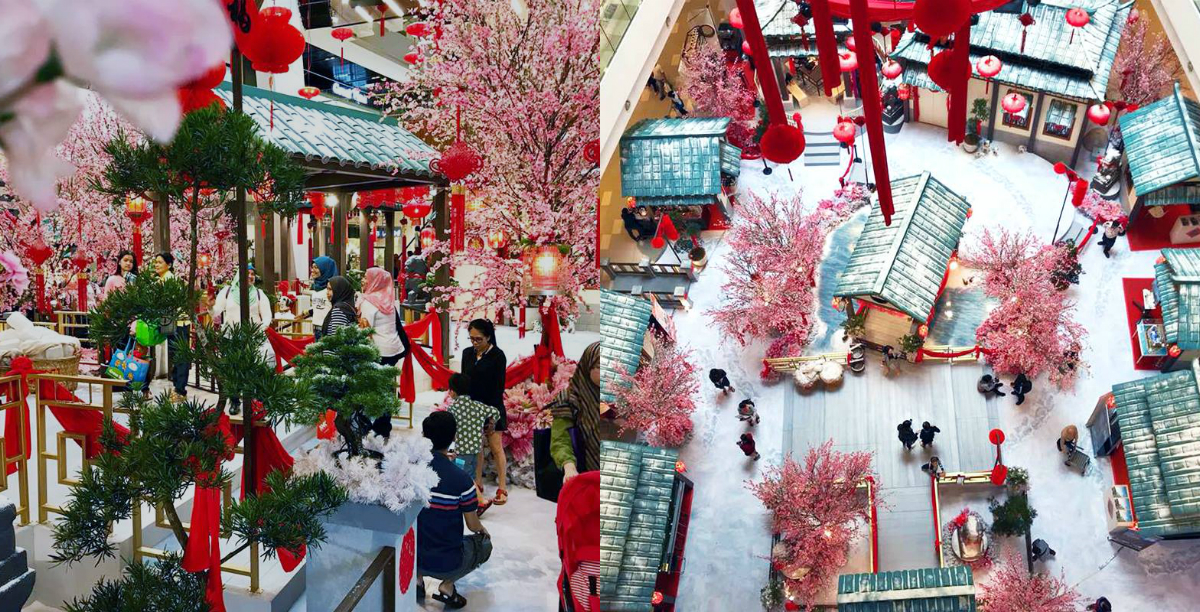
point(979, 112)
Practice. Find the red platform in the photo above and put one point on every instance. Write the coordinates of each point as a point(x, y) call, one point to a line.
point(1133, 292)
point(1146, 233)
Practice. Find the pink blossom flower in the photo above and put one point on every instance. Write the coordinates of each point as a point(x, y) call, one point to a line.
point(12, 273)
point(42, 118)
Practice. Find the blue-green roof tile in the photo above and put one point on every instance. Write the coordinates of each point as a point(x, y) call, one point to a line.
point(624, 320)
point(944, 589)
point(1162, 144)
point(672, 158)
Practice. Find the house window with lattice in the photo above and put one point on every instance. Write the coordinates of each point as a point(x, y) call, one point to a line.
point(1060, 119)
point(1019, 120)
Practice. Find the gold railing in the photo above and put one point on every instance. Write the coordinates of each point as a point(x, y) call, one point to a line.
point(788, 364)
point(10, 386)
point(957, 479)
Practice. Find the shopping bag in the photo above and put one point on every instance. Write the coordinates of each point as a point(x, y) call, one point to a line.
point(548, 479)
point(125, 365)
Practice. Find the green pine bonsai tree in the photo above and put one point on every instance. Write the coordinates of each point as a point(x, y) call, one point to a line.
point(142, 588)
point(342, 372)
point(213, 154)
point(1013, 517)
point(146, 299)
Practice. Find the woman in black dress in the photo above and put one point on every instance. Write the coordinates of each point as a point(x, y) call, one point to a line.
point(484, 363)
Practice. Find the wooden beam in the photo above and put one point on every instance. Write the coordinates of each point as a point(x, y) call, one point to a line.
point(160, 227)
point(389, 245)
point(270, 257)
point(338, 245)
point(364, 240)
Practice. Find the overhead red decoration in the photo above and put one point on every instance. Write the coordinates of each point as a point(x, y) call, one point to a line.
point(895, 35)
point(941, 70)
point(892, 69)
point(412, 57)
point(847, 62)
point(308, 92)
point(417, 29)
point(416, 210)
point(1078, 17)
point(210, 79)
point(1026, 21)
point(782, 143)
point(1060, 168)
point(38, 251)
point(342, 34)
point(1099, 114)
point(194, 99)
point(989, 66)
point(1013, 103)
point(735, 18)
point(277, 43)
point(459, 160)
point(940, 18)
point(591, 152)
point(845, 132)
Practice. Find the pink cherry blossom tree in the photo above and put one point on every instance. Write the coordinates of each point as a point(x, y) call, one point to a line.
point(1100, 209)
point(1147, 65)
point(659, 398)
point(527, 87)
point(775, 246)
point(1011, 587)
point(716, 89)
point(819, 511)
point(1032, 330)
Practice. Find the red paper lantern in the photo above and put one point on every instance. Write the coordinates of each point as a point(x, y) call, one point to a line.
point(656, 598)
point(1099, 114)
point(591, 152)
point(923, 331)
point(996, 436)
point(735, 18)
point(38, 252)
point(417, 29)
point(941, 70)
point(892, 69)
point(210, 79)
point(308, 92)
point(989, 66)
point(845, 132)
point(1013, 103)
point(277, 43)
point(416, 210)
point(195, 99)
point(412, 57)
point(497, 239)
point(545, 270)
point(428, 237)
point(940, 18)
point(342, 34)
point(847, 62)
point(782, 143)
point(1078, 17)
point(457, 162)
point(851, 44)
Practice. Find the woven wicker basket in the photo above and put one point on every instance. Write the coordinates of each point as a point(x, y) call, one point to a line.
point(66, 366)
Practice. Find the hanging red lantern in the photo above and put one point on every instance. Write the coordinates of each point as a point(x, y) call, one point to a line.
point(923, 331)
point(416, 210)
point(1077, 18)
point(892, 69)
point(416, 29)
point(735, 18)
point(941, 70)
point(1099, 114)
point(308, 92)
point(204, 260)
point(38, 252)
point(545, 270)
point(81, 262)
point(847, 62)
point(782, 143)
point(1026, 21)
point(989, 66)
point(591, 152)
point(412, 57)
point(941, 18)
point(497, 239)
point(459, 160)
point(428, 237)
point(277, 43)
point(210, 79)
point(1013, 103)
point(845, 132)
point(342, 34)
point(895, 35)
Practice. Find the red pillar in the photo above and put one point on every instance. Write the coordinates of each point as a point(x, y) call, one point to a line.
point(826, 45)
point(869, 84)
point(752, 30)
point(962, 75)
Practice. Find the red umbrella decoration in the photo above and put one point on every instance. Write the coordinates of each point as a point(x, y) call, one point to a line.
point(1013, 103)
point(456, 163)
point(276, 45)
point(847, 62)
point(342, 34)
point(988, 66)
point(1077, 18)
point(308, 92)
point(1099, 113)
point(892, 69)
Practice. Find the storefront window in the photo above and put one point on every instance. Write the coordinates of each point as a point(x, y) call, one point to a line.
point(1060, 119)
point(1021, 119)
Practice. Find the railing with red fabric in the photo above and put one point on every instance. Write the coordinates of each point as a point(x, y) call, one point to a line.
point(11, 403)
point(950, 353)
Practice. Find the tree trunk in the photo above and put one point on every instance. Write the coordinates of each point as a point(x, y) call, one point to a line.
point(193, 265)
point(176, 525)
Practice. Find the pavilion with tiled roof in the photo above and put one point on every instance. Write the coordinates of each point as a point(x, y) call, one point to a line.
point(1061, 71)
point(897, 272)
point(678, 162)
point(625, 319)
point(1177, 287)
point(938, 589)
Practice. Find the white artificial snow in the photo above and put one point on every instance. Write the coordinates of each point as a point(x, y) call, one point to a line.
point(729, 540)
point(405, 476)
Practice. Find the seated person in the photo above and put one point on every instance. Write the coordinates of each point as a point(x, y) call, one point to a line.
point(934, 467)
point(442, 550)
point(470, 417)
point(633, 225)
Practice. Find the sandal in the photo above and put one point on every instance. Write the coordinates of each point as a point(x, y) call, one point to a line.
point(453, 601)
point(501, 497)
point(483, 506)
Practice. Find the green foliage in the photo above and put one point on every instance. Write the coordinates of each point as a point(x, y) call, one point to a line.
point(763, 120)
point(289, 514)
point(1013, 517)
point(146, 298)
point(103, 497)
point(855, 324)
point(355, 277)
point(772, 595)
point(343, 371)
point(910, 343)
point(160, 586)
point(1017, 480)
point(231, 354)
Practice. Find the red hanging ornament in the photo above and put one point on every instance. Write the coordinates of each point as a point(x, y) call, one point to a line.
point(847, 62)
point(941, 70)
point(1077, 18)
point(783, 143)
point(591, 152)
point(382, 17)
point(308, 92)
point(428, 237)
point(459, 160)
point(735, 18)
point(1026, 21)
point(892, 69)
point(277, 44)
point(1013, 103)
point(342, 34)
point(941, 18)
point(845, 132)
point(417, 29)
point(988, 66)
point(210, 79)
point(416, 210)
point(1099, 114)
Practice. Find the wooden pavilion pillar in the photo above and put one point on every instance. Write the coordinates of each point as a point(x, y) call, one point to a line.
point(160, 227)
point(337, 248)
point(1031, 146)
point(364, 240)
point(270, 268)
point(441, 227)
point(389, 244)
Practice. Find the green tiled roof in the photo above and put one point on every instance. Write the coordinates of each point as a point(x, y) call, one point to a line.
point(1161, 143)
point(1184, 193)
point(1177, 281)
point(324, 132)
point(777, 25)
point(624, 319)
point(944, 589)
point(669, 158)
point(1052, 62)
point(635, 505)
point(1159, 420)
point(904, 262)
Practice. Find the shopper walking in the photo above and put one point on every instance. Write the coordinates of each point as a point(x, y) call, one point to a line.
point(164, 268)
point(746, 443)
point(323, 269)
point(721, 380)
point(341, 306)
point(927, 433)
point(1020, 386)
point(485, 364)
point(677, 103)
point(889, 356)
point(746, 412)
point(579, 407)
point(934, 468)
point(1100, 605)
point(1112, 229)
point(907, 436)
point(379, 310)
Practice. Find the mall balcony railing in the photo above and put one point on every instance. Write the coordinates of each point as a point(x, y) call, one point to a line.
point(615, 17)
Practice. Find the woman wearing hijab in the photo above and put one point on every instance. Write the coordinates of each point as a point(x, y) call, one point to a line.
point(323, 269)
point(227, 307)
point(484, 363)
point(379, 311)
point(579, 407)
point(341, 306)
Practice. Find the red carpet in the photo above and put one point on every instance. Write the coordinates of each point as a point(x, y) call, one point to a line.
point(1148, 234)
point(1133, 293)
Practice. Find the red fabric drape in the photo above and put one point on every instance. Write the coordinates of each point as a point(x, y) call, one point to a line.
point(87, 423)
point(203, 551)
point(890, 10)
point(865, 49)
point(752, 31)
point(269, 456)
point(286, 349)
point(826, 45)
point(957, 131)
point(924, 352)
point(431, 323)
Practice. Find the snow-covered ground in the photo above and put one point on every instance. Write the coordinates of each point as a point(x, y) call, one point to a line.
point(729, 537)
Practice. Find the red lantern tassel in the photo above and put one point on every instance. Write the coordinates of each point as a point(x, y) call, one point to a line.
point(82, 280)
point(1023, 33)
point(521, 327)
point(458, 218)
point(40, 280)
